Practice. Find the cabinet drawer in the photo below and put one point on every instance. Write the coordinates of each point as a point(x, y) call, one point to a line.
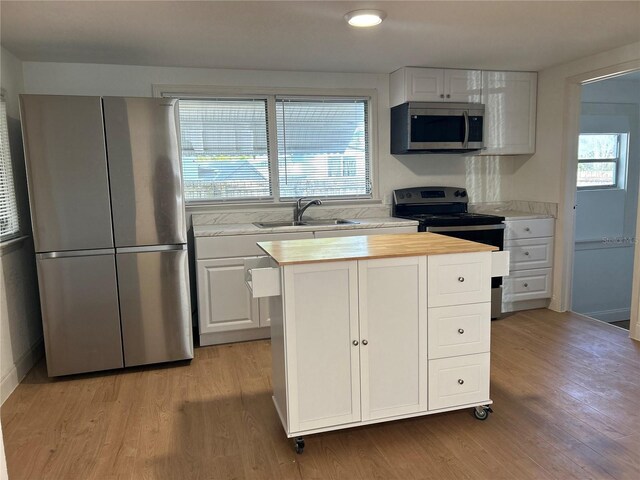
point(459, 330)
point(527, 285)
point(459, 279)
point(240, 245)
point(530, 253)
point(538, 227)
point(458, 380)
point(262, 277)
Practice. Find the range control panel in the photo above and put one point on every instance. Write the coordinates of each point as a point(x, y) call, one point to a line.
point(430, 195)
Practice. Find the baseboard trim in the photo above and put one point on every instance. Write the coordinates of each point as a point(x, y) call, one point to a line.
point(220, 338)
point(20, 369)
point(609, 316)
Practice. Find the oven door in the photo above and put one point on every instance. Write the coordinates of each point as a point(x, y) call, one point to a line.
point(487, 234)
point(446, 129)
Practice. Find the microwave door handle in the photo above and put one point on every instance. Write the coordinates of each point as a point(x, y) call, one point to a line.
point(465, 114)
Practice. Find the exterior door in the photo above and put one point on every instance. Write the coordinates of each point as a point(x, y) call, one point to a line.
point(224, 301)
point(154, 305)
point(79, 300)
point(323, 366)
point(145, 171)
point(393, 332)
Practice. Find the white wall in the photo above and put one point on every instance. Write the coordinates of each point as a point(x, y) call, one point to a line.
point(487, 178)
point(20, 324)
point(603, 270)
point(542, 176)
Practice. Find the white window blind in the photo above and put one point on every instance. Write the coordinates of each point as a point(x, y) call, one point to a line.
point(225, 151)
point(323, 147)
point(9, 221)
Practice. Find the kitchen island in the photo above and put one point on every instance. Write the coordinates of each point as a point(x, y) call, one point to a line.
point(373, 329)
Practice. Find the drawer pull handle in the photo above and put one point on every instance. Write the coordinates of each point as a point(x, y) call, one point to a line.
point(526, 285)
point(460, 381)
point(355, 343)
point(526, 253)
point(527, 229)
point(365, 342)
point(460, 331)
point(461, 279)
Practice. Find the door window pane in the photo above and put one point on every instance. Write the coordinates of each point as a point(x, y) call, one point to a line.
point(597, 174)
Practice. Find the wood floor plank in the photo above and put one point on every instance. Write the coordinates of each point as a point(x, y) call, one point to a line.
point(567, 405)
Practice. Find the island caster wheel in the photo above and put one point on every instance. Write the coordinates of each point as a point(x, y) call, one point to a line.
point(299, 443)
point(482, 412)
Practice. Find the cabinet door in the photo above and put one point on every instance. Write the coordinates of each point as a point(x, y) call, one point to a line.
point(510, 114)
point(463, 86)
point(323, 364)
point(425, 84)
point(224, 301)
point(393, 333)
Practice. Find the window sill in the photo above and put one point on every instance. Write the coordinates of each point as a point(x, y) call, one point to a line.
point(196, 207)
point(11, 244)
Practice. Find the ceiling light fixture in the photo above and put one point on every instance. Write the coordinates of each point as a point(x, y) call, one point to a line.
point(365, 18)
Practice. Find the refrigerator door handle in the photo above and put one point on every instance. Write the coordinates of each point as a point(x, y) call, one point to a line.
point(75, 253)
point(152, 248)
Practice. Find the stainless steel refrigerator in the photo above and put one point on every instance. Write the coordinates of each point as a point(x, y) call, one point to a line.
point(107, 208)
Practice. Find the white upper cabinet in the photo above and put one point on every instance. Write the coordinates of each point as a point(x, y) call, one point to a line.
point(510, 112)
point(435, 85)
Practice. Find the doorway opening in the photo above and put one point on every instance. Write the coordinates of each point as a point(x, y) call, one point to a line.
point(606, 199)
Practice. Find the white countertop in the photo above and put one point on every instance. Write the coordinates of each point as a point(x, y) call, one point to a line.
point(512, 214)
point(222, 229)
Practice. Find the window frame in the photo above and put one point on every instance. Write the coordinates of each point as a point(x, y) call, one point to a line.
point(619, 161)
point(193, 92)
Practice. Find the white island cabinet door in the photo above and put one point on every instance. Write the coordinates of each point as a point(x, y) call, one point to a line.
point(322, 344)
point(393, 324)
point(224, 302)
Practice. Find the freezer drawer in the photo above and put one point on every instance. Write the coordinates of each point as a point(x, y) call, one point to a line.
point(145, 171)
point(66, 172)
point(155, 306)
point(80, 313)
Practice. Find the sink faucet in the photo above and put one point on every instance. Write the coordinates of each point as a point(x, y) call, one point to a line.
point(298, 209)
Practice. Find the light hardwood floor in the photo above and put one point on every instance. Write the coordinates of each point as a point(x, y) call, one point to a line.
point(567, 405)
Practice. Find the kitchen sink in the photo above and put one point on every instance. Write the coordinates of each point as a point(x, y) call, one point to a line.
point(278, 224)
point(331, 221)
point(320, 222)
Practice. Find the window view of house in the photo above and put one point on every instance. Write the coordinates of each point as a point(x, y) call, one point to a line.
point(322, 149)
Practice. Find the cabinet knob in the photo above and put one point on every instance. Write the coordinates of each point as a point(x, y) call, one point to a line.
point(460, 381)
point(460, 331)
point(526, 285)
point(442, 95)
point(355, 343)
point(527, 229)
point(526, 253)
point(448, 95)
point(461, 279)
point(365, 342)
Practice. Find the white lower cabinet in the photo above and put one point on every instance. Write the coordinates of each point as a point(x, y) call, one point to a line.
point(356, 342)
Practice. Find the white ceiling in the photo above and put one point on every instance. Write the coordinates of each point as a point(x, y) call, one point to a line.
point(313, 36)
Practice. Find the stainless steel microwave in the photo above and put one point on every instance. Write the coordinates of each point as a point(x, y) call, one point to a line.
point(437, 127)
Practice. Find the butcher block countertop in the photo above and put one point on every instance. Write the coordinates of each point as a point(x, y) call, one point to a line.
point(290, 252)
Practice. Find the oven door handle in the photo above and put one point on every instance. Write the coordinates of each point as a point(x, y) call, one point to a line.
point(499, 226)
